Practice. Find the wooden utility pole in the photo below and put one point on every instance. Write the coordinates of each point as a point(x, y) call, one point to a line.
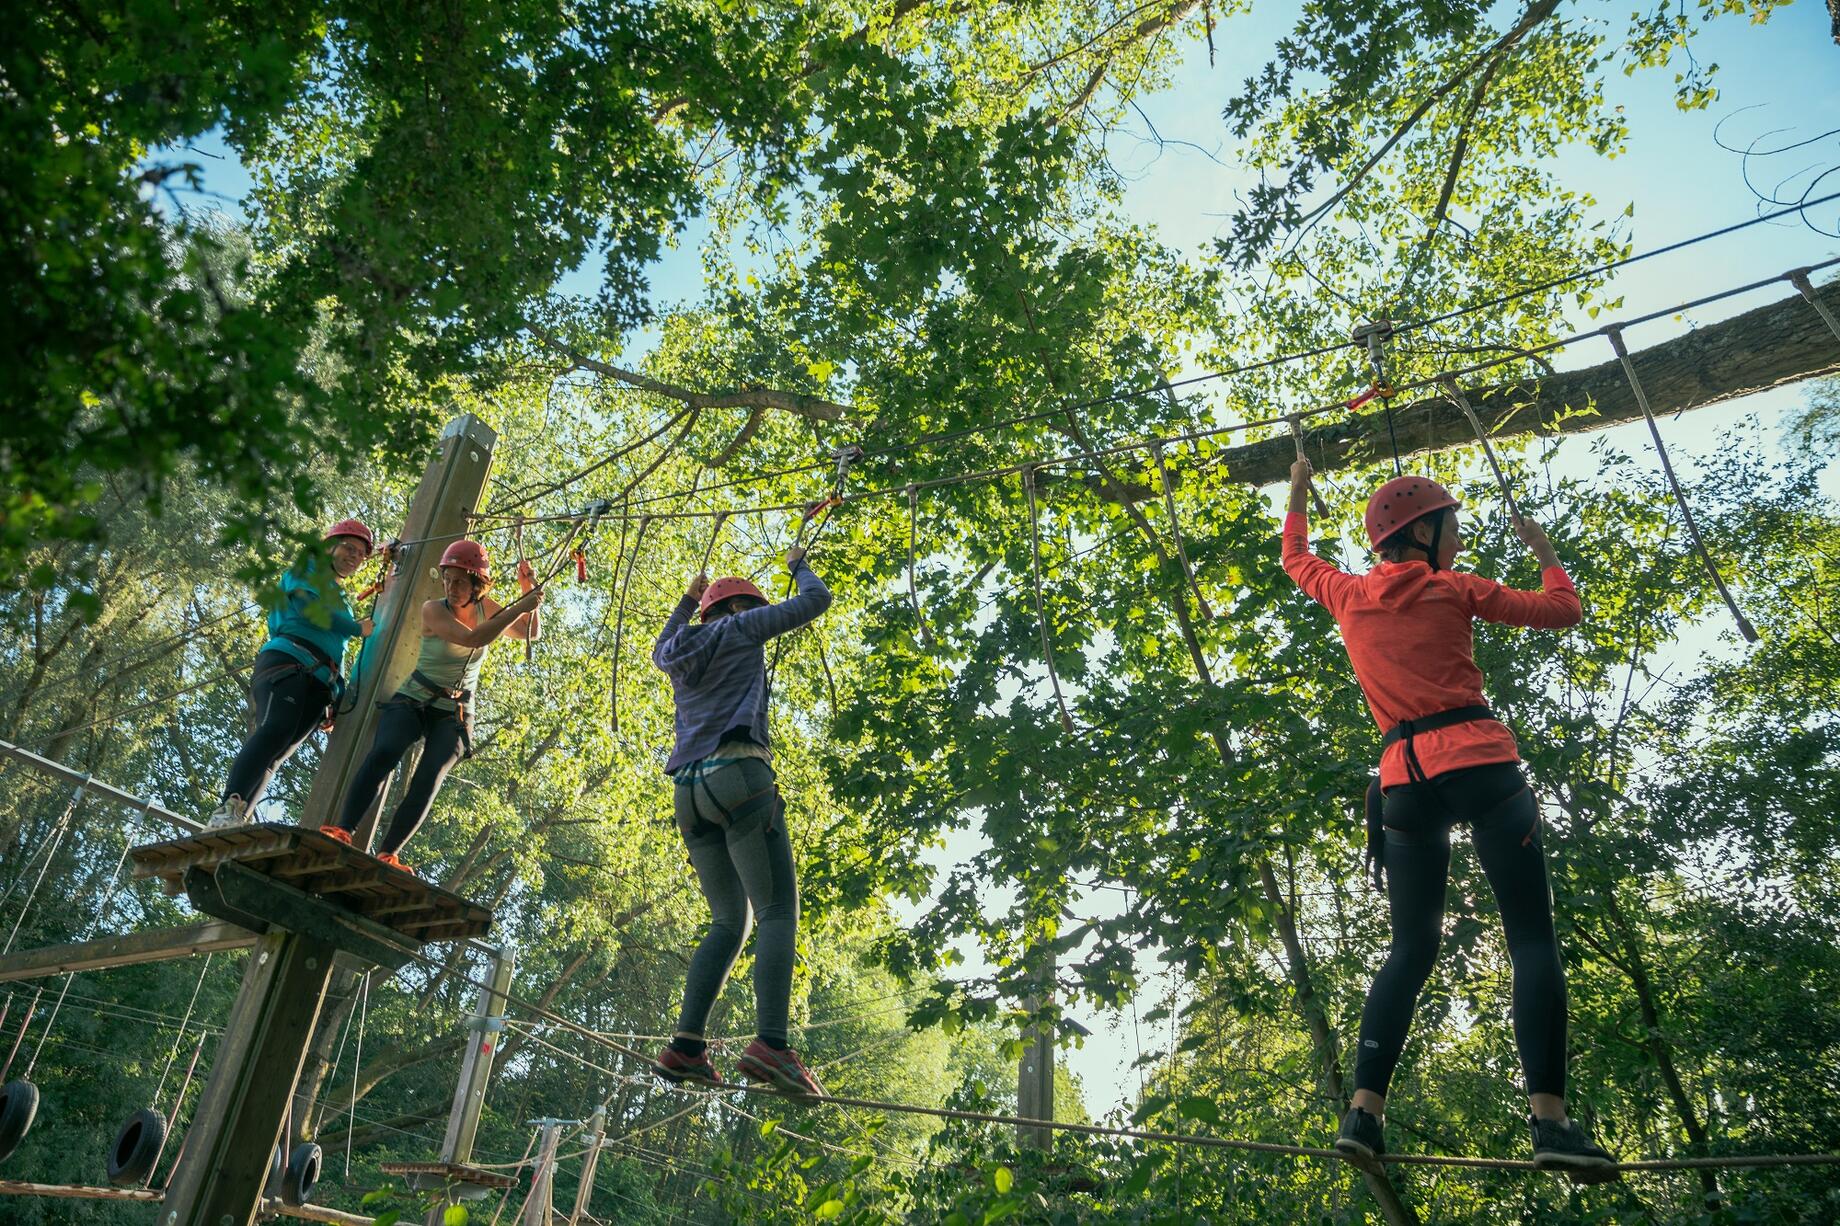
point(240, 1116)
point(1035, 1077)
point(543, 1182)
point(485, 1026)
point(584, 1191)
point(451, 490)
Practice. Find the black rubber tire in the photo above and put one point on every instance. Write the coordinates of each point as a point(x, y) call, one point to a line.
point(137, 1148)
point(18, 1108)
point(302, 1174)
point(277, 1171)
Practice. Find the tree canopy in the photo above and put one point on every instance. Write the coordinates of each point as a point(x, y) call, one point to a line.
point(1065, 661)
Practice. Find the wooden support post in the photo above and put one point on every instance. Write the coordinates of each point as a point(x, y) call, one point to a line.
point(543, 1181)
point(239, 1119)
point(584, 1191)
point(1035, 1078)
point(486, 1025)
point(451, 489)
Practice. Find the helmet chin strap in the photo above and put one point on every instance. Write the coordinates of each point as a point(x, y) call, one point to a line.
point(1437, 538)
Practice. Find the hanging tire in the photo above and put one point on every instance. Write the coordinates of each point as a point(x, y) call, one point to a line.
point(137, 1148)
point(277, 1171)
point(18, 1108)
point(302, 1175)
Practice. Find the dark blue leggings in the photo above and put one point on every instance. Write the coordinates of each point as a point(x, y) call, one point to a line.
point(1504, 821)
point(744, 868)
point(401, 722)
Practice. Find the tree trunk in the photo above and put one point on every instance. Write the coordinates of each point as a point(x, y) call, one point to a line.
point(1771, 346)
point(1658, 1045)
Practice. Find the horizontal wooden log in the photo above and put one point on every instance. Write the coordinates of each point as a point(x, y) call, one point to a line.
point(61, 1191)
point(317, 1213)
point(129, 949)
point(1776, 345)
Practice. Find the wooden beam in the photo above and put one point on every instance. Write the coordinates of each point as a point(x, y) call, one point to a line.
point(238, 1120)
point(317, 1213)
point(1772, 346)
point(60, 1191)
point(98, 788)
point(130, 949)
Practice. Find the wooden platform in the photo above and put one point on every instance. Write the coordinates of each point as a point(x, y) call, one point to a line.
point(297, 861)
point(466, 1182)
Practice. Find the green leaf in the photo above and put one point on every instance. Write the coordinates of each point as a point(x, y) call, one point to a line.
point(1002, 1180)
point(455, 1215)
point(1195, 1107)
point(829, 1209)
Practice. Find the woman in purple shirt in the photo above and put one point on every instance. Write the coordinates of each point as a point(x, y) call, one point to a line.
point(730, 815)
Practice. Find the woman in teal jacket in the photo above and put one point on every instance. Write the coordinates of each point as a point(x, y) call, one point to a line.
point(298, 671)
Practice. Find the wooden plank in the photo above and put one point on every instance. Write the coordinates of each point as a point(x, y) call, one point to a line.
point(129, 949)
point(233, 890)
point(18, 1187)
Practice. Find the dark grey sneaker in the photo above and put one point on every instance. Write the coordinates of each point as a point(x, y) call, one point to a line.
point(1360, 1137)
point(1566, 1147)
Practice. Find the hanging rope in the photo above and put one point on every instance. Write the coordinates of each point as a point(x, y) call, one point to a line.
point(1374, 336)
point(1475, 423)
point(619, 626)
point(913, 591)
point(25, 1024)
point(516, 1171)
point(1322, 508)
point(357, 1066)
point(1041, 616)
point(1175, 531)
point(1459, 1161)
point(116, 881)
point(715, 534)
point(52, 842)
point(1799, 279)
point(1615, 333)
point(179, 1038)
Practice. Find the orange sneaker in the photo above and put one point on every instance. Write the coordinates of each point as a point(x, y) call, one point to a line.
point(337, 832)
point(389, 858)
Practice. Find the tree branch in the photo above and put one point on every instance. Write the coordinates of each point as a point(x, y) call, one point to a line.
point(797, 403)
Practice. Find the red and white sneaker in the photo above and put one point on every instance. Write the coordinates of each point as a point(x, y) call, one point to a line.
point(337, 832)
point(779, 1067)
point(389, 858)
point(676, 1067)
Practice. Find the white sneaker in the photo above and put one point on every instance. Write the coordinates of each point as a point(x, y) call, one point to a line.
point(233, 812)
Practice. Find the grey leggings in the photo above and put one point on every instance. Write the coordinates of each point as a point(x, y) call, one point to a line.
point(744, 868)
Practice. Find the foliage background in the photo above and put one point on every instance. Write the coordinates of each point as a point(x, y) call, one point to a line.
point(909, 225)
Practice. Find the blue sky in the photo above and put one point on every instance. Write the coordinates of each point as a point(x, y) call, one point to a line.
point(1782, 75)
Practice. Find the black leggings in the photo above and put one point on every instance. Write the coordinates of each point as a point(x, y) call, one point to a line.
point(401, 723)
point(1504, 820)
point(290, 702)
point(745, 872)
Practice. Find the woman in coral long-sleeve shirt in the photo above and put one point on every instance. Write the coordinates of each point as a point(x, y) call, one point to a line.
point(1447, 761)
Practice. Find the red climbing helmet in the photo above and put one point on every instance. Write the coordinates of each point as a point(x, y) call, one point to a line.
point(353, 527)
point(1402, 500)
point(469, 556)
point(726, 589)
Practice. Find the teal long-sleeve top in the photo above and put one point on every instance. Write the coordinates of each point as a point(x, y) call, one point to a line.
point(315, 611)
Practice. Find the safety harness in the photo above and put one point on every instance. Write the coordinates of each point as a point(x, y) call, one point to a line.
point(321, 660)
point(461, 699)
point(1405, 731)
